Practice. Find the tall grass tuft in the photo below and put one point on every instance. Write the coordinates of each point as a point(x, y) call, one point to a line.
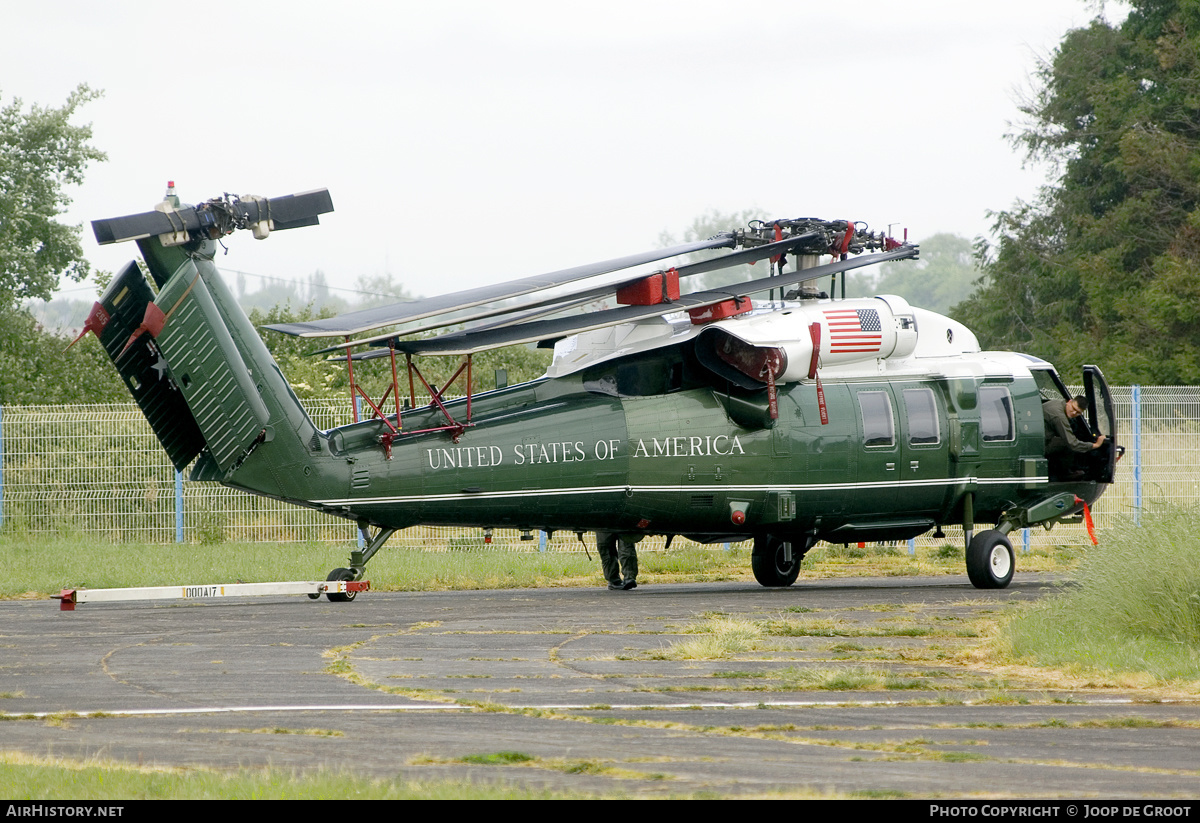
point(719, 637)
point(1134, 608)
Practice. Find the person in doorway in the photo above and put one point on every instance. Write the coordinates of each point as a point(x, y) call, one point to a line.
point(618, 561)
point(1064, 447)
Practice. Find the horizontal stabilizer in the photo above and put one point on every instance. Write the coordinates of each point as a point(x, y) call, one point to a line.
point(143, 369)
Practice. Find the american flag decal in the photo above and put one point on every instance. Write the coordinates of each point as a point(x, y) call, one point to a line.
point(853, 330)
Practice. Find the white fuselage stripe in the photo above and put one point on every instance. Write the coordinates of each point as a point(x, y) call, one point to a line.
point(695, 488)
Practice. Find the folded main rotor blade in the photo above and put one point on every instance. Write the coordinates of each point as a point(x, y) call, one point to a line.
point(367, 319)
point(544, 306)
point(469, 342)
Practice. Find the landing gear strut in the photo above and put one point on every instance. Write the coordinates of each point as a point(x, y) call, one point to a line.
point(341, 597)
point(775, 561)
point(358, 561)
point(990, 560)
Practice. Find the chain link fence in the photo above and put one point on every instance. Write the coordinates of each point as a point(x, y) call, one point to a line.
point(98, 470)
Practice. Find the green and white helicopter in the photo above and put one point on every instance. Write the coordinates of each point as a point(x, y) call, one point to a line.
point(713, 414)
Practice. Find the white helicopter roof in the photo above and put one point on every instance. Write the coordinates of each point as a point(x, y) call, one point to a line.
point(856, 338)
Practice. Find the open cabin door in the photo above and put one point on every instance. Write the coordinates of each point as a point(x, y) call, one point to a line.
point(1101, 419)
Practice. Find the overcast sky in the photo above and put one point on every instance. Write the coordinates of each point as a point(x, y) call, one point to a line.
point(469, 142)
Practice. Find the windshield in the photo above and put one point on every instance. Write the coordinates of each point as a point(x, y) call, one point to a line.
point(1050, 386)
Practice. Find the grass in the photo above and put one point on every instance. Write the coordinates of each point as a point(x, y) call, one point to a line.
point(40, 567)
point(718, 637)
point(45, 566)
point(1134, 609)
point(36, 567)
point(504, 758)
point(566, 766)
point(854, 678)
point(40, 778)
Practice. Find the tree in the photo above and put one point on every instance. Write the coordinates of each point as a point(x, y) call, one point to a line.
point(944, 275)
point(41, 154)
point(35, 367)
point(309, 374)
point(1104, 266)
point(379, 290)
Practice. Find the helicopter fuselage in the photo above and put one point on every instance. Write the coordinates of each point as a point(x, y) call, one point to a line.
point(698, 415)
point(895, 457)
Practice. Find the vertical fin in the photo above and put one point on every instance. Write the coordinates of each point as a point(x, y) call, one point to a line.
point(209, 369)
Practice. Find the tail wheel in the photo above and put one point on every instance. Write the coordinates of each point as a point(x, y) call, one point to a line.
point(775, 561)
point(341, 597)
point(990, 560)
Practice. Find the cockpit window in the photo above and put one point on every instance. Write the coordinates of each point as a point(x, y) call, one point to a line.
point(1050, 386)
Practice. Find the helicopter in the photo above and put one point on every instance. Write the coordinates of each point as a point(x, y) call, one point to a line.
point(714, 414)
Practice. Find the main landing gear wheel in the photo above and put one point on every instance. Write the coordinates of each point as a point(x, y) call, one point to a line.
point(776, 562)
point(341, 597)
point(990, 560)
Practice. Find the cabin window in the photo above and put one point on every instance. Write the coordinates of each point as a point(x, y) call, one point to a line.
point(879, 428)
point(921, 409)
point(996, 414)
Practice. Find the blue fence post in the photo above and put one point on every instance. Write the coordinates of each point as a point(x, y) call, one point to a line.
point(912, 547)
point(1137, 455)
point(1024, 541)
point(541, 541)
point(178, 507)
